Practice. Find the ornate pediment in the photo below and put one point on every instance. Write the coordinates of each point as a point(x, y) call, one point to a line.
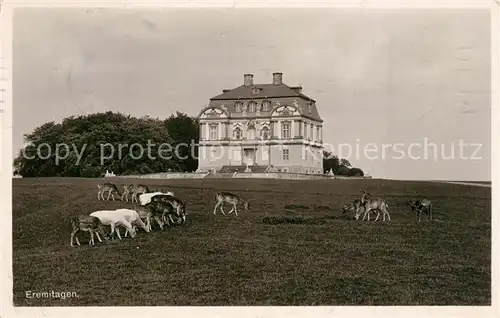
point(251, 124)
point(214, 113)
point(286, 111)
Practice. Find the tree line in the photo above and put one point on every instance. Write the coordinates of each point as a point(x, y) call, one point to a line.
point(85, 135)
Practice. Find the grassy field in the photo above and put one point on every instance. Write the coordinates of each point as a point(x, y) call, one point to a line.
point(294, 247)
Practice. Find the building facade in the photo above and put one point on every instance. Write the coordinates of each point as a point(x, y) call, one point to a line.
point(261, 127)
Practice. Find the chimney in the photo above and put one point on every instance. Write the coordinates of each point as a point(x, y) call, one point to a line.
point(277, 78)
point(248, 79)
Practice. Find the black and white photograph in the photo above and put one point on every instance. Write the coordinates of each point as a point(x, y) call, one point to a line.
point(249, 156)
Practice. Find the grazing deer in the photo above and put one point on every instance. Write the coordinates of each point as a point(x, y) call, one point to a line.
point(127, 190)
point(230, 198)
point(421, 205)
point(373, 204)
point(86, 223)
point(357, 207)
point(133, 218)
point(146, 214)
point(145, 198)
point(178, 207)
point(139, 189)
point(159, 211)
point(107, 187)
point(352, 206)
point(116, 218)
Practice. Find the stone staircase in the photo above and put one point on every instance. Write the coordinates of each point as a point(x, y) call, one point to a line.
point(242, 168)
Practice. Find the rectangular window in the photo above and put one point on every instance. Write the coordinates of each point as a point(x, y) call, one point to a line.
point(317, 134)
point(265, 154)
point(214, 132)
point(312, 132)
point(285, 130)
point(213, 154)
point(237, 154)
point(305, 130)
point(285, 154)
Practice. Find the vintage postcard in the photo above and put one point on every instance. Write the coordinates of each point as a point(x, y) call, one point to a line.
point(241, 158)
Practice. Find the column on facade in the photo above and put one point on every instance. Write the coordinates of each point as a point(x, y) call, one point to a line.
point(219, 130)
point(202, 131)
point(297, 125)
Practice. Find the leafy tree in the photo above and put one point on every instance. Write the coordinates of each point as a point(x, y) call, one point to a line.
point(184, 131)
point(356, 172)
point(339, 166)
point(97, 142)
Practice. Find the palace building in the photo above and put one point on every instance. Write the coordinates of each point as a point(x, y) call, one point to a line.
point(261, 128)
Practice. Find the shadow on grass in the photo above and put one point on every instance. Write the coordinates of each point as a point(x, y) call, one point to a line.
point(296, 207)
point(300, 219)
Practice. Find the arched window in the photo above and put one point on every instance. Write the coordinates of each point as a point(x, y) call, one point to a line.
point(237, 133)
point(264, 133)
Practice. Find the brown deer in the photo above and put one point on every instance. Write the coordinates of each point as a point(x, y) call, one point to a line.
point(127, 190)
point(231, 198)
point(86, 223)
point(421, 205)
point(107, 187)
point(353, 206)
point(178, 207)
point(371, 204)
point(139, 189)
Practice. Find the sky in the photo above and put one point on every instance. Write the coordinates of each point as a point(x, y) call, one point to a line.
point(393, 79)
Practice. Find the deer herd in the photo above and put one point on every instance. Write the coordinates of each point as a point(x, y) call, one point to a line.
point(162, 207)
point(165, 209)
point(367, 205)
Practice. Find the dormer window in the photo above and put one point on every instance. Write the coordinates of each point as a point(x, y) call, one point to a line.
point(266, 105)
point(238, 106)
point(251, 107)
point(309, 107)
point(255, 90)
